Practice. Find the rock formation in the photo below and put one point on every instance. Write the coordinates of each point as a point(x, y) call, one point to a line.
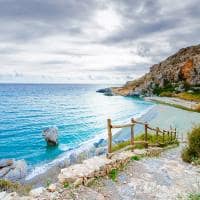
point(51, 135)
point(181, 68)
point(12, 170)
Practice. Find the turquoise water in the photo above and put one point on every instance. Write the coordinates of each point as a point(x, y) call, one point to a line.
point(77, 110)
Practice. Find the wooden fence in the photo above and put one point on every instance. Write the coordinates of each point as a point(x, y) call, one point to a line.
point(170, 133)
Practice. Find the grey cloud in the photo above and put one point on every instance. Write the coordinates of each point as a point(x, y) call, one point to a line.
point(24, 20)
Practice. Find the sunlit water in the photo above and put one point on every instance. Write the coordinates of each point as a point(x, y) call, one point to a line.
point(77, 110)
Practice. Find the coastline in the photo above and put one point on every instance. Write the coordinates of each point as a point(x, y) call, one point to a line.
point(160, 115)
point(176, 102)
point(93, 147)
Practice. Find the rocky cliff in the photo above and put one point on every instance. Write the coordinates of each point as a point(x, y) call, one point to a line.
point(179, 71)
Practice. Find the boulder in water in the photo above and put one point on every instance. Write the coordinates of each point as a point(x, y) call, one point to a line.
point(51, 135)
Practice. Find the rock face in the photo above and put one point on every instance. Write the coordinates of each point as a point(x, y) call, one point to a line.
point(12, 170)
point(51, 135)
point(180, 68)
point(106, 91)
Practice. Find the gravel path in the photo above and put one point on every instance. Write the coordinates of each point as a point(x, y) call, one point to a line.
point(164, 177)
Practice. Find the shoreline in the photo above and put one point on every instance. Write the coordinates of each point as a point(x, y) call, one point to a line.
point(87, 149)
point(175, 102)
point(157, 115)
point(160, 115)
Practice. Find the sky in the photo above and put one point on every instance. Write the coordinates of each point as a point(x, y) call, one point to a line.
point(91, 41)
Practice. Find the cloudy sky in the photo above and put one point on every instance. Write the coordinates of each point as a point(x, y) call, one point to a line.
point(91, 41)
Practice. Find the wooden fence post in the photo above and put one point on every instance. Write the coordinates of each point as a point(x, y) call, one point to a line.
point(109, 126)
point(163, 136)
point(171, 135)
point(132, 135)
point(145, 131)
point(157, 131)
point(175, 134)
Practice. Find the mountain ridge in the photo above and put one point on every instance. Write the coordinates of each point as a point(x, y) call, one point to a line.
point(180, 71)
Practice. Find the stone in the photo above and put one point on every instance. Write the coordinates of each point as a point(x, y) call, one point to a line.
point(37, 192)
point(52, 188)
point(100, 151)
point(100, 143)
point(18, 172)
point(51, 135)
point(78, 182)
point(106, 91)
point(5, 162)
point(4, 171)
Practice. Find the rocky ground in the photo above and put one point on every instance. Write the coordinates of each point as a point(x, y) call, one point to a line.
point(163, 177)
point(166, 177)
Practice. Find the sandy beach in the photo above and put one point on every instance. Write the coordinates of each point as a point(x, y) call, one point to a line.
point(174, 102)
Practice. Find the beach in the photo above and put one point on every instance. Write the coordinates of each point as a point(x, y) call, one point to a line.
point(159, 115)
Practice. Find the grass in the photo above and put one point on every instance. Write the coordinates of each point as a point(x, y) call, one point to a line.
point(189, 96)
point(66, 185)
point(191, 153)
point(135, 158)
point(9, 186)
point(194, 196)
point(113, 174)
point(151, 138)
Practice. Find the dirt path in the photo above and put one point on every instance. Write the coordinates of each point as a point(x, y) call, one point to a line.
point(165, 177)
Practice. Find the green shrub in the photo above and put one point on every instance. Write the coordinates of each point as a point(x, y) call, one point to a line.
point(191, 153)
point(113, 174)
point(135, 158)
point(66, 185)
point(194, 196)
point(168, 87)
point(167, 94)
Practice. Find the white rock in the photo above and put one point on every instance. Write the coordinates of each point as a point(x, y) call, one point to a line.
point(52, 188)
point(19, 171)
point(51, 135)
point(37, 192)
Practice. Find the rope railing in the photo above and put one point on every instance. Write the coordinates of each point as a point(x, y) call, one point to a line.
point(172, 134)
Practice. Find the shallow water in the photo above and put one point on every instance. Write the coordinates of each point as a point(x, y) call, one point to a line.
point(77, 110)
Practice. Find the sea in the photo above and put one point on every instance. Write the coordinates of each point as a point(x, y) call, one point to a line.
point(77, 110)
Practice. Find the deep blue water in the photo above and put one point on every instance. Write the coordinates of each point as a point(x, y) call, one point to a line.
point(77, 110)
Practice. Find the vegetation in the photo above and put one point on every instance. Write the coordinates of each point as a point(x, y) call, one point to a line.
point(9, 186)
point(151, 139)
point(66, 185)
point(113, 174)
point(194, 196)
point(166, 94)
point(168, 88)
point(195, 96)
point(192, 152)
point(135, 158)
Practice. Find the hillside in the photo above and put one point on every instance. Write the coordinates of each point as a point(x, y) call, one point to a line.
point(178, 73)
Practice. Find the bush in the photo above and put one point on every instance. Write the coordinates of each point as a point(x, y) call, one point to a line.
point(6, 185)
point(113, 174)
point(166, 94)
point(192, 152)
point(194, 196)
